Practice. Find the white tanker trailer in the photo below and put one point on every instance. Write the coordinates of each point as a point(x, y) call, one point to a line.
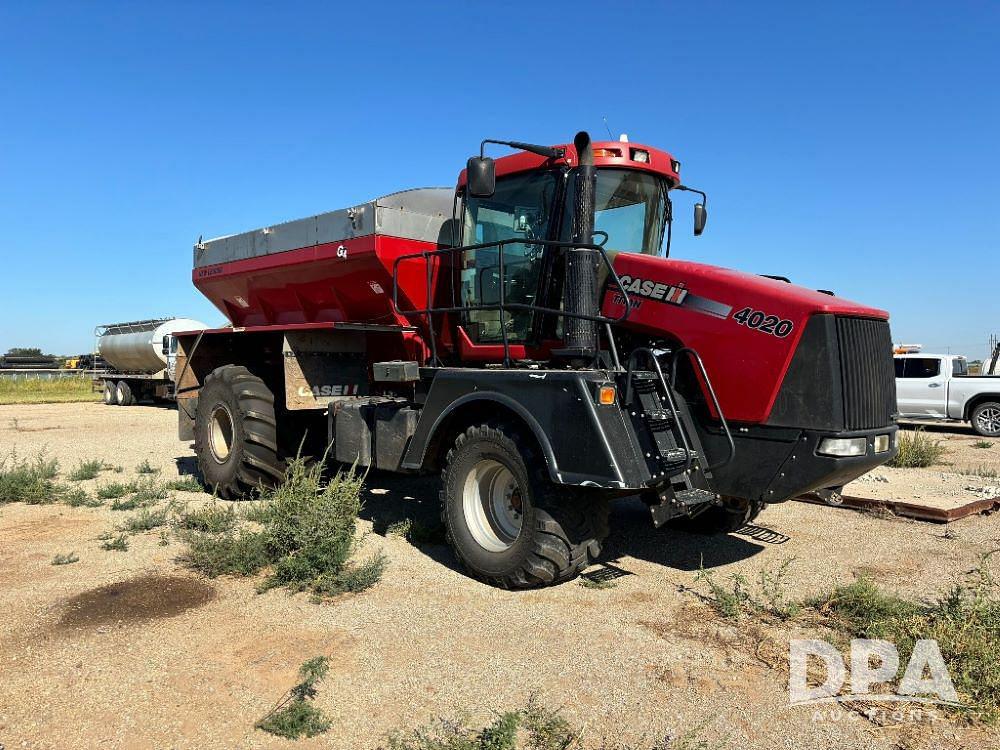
point(141, 357)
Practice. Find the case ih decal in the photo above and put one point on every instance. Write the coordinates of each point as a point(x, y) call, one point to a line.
point(670, 294)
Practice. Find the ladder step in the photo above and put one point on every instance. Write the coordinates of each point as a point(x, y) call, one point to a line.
point(658, 415)
point(677, 455)
point(694, 496)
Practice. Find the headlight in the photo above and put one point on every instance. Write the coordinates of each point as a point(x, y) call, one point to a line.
point(844, 446)
point(882, 443)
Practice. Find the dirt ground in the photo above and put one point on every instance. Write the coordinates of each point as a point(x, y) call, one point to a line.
point(129, 649)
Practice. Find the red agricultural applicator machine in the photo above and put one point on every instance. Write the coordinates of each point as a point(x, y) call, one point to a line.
point(527, 335)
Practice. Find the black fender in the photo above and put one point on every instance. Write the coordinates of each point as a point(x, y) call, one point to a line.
point(582, 443)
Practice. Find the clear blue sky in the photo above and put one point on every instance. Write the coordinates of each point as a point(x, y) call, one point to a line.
point(849, 146)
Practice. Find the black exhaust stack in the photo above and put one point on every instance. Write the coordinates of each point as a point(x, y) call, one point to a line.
point(581, 263)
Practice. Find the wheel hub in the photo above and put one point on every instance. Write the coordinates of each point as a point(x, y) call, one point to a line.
point(220, 433)
point(493, 504)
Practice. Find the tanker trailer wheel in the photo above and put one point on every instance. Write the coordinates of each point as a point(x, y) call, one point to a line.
point(507, 523)
point(110, 393)
point(235, 433)
point(123, 394)
point(985, 419)
point(732, 515)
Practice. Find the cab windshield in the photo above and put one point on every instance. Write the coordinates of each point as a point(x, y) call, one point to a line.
point(631, 207)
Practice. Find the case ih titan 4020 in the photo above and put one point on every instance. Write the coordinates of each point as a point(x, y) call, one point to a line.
point(524, 335)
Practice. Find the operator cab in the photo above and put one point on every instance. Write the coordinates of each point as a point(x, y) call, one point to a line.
point(529, 196)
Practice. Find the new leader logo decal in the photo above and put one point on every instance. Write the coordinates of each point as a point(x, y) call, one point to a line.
point(670, 294)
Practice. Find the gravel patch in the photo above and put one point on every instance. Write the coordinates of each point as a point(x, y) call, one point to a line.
point(632, 661)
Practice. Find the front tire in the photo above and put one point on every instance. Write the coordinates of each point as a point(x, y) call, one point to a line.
point(508, 524)
point(985, 419)
point(236, 433)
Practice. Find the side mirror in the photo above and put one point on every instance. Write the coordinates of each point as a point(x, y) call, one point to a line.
point(482, 177)
point(700, 218)
point(166, 344)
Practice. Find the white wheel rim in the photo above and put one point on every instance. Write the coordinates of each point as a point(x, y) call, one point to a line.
point(109, 394)
point(121, 393)
point(492, 502)
point(220, 433)
point(989, 419)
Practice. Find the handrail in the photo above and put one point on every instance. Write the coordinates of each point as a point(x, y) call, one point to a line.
point(711, 393)
point(501, 305)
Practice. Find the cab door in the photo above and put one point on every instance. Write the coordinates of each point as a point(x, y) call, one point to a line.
point(519, 211)
point(921, 387)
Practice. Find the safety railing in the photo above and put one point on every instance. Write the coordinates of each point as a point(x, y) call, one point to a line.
point(502, 305)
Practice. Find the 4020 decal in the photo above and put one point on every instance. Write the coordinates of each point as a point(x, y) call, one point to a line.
point(761, 321)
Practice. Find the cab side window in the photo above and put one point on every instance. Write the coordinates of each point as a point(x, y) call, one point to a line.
point(519, 210)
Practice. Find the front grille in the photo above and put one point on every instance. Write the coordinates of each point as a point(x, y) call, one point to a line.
point(867, 372)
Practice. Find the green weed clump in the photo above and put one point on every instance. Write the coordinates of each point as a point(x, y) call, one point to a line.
point(115, 543)
point(185, 484)
point(965, 623)
point(149, 492)
point(983, 472)
point(212, 519)
point(983, 444)
point(146, 468)
point(77, 497)
point(114, 490)
point(29, 481)
point(765, 595)
point(86, 470)
point(65, 559)
point(145, 520)
point(306, 538)
point(295, 716)
point(916, 450)
point(237, 552)
point(533, 727)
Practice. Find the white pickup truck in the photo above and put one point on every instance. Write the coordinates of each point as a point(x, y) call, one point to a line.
point(938, 387)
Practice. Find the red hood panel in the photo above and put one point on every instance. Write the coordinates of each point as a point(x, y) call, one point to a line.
point(745, 327)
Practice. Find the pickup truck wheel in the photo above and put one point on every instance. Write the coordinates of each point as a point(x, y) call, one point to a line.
point(110, 393)
point(506, 521)
point(986, 419)
point(732, 515)
point(123, 394)
point(235, 433)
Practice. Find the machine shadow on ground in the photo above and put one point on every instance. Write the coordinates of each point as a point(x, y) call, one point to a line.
point(633, 535)
point(391, 499)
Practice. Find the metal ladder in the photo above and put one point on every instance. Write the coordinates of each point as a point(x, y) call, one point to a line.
point(679, 469)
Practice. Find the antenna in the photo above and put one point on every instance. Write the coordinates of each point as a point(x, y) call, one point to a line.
point(608, 128)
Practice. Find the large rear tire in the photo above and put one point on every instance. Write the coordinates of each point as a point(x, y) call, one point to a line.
point(508, 524)
point(732, 515)
point(236, 433)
